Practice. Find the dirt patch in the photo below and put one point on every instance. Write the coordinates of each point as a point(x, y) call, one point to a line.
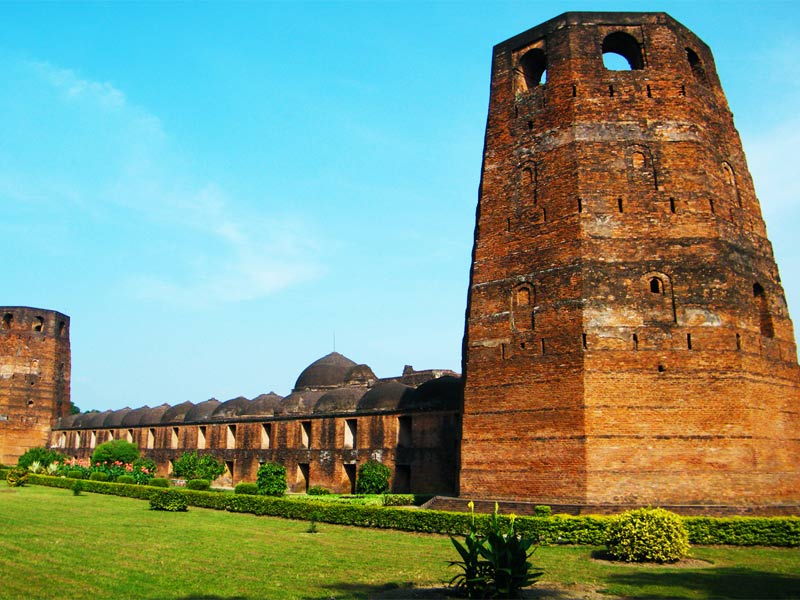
point(685, 563)
point(544, 590)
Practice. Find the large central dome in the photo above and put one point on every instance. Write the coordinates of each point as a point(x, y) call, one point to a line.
point(328, 372)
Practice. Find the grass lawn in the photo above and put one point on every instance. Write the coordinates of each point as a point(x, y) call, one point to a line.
point(56, 545)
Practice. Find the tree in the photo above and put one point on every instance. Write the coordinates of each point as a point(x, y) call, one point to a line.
point(43, 456)
point(209, 468)
point(192, 466)
point(74, 410)
point(373, 478)
point(115, 451)
point(271, 479)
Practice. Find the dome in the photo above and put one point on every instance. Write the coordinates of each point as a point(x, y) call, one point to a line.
point(66, 422)
point(263, 405)
point(360, 375)
point(96, 420)
point(80, 419)
point(298, 403)
point(441, 393)
point(387, 396)
point(339, 400)
point(201, 411)
point(153, 416)
point(328, 372)
point(230, 409)
point(114, 419)
point(176, 413)
point(132, 418)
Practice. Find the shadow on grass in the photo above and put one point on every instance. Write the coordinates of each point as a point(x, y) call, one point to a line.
point(406, 590)
point(212, 597)
point(730, 582)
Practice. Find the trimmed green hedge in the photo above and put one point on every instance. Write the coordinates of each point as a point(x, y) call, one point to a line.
point(558, 529)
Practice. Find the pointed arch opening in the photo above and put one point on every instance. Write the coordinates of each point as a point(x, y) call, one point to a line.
point(696, 65)
point(621, 44)
point(533, 65)
point(764, 314)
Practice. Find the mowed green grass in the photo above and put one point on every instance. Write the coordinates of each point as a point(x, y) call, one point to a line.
point(56, 545)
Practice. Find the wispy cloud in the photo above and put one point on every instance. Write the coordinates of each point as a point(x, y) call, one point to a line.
point(112, 161)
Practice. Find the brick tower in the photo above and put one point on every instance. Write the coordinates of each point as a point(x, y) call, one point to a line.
point(627, 337)
point(34, 377)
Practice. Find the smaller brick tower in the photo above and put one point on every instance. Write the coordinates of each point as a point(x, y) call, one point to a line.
point(34, 377)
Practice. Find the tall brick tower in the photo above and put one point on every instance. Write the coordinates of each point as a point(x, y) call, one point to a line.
point(34, 377)
point(627, 337)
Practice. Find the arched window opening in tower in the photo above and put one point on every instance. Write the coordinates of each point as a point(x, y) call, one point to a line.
point(656, 286)
point(527, 176)
point(534, 68)
point(523, 296)
point(38, 324)
point(621, 52)
point(7, 318)
point(764, 315)
point(696, 64)
point(730, 181)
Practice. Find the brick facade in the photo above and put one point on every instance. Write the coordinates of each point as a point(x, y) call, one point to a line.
point(627, 336)
point(34, 377)
point(338, 416)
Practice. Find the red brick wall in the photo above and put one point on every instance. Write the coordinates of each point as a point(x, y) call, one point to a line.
point(583, 384)
point(34, 377)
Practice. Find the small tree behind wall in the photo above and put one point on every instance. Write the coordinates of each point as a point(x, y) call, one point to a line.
point(373, 478)
point(115, 451)
point(271, 479)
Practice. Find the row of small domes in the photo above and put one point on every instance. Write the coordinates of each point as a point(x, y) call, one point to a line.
point(333, 384)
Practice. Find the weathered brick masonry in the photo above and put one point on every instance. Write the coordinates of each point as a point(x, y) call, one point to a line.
point(338, 416)
point(627, 339)
point(34, 377)
point(627, 336)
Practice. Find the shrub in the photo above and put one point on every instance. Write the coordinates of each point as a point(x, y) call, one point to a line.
point(398, 499)
point(128, 479)
point(191, 466)
point(209, 467)
point(169, 500)
point(373, 478)
point(198, 484)
point(542, 510)
point(271, 479)
point(43, 456)
point(36, 467)
point(99, 476)
point(647, 535)
point(77, 487)
point(185, 466)
point(250, 489)
point(17, 477)
point(112, 451)
point(159, 482)
point(143, 470)
point(318, 490)
point(494, 564)
point(75, 474)
point(143, 462)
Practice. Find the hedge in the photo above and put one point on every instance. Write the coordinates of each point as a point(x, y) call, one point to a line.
point(558, 529)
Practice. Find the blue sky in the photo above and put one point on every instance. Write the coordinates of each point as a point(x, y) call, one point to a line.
point(213, 191)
